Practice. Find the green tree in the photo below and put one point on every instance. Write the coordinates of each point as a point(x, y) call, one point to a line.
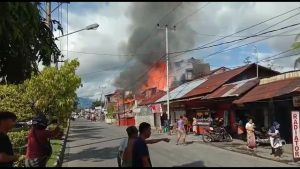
point(25, 41)
point(97, 103)
point(54, 91)
point(12, 99)
point(110, 111)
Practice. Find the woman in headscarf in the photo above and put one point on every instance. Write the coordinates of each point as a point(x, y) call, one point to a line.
point(251, 143)
point(275, 141)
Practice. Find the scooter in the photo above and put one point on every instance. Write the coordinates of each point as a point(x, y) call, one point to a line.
point(217, 134)
point(262, 136)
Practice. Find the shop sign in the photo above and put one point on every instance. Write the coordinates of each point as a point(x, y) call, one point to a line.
point(296, 135)
point(296, 101)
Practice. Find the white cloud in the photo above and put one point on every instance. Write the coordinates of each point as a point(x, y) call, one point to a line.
point(221, 18)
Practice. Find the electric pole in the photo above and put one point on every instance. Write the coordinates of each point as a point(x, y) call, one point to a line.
point(167, 66)
point(49, 23)
point(256, 51)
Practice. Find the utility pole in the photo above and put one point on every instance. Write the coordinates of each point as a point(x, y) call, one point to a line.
point(49, 23)
point(167, 66)
point(125, 119)
point(256, 51)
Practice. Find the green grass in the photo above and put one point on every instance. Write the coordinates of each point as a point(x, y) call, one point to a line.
point(56, 146)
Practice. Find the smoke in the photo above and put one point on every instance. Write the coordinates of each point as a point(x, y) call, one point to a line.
point(149, 49)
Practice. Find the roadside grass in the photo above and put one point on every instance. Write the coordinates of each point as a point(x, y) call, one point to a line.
point(56, 146)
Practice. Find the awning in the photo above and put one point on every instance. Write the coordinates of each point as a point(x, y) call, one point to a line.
point(271, 90)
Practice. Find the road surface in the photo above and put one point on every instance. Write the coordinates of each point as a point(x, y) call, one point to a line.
point(95, 144)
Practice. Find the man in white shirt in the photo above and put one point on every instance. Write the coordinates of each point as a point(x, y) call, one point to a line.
point(122, 148)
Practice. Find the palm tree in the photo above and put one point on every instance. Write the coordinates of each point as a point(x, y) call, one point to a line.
point(296, 45)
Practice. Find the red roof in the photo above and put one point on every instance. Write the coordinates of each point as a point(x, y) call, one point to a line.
point(233, 89)
point(153, 98)
point(271, 90)
point(215, 81)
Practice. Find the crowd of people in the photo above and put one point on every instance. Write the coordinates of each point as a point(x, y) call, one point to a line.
point(39, 148)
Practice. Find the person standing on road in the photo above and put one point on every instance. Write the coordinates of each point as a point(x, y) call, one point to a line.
point(251, 142)
point(140, 152)
point(185, 120)
point(181, 130)
point(39, 149)
point(7, 156)
point(275, 139)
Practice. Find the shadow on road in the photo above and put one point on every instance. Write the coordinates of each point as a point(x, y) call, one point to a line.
point(94, 154)
point(97, 142)
point(192, 164)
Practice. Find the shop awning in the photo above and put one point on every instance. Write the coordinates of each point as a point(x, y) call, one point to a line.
point(271, 90)
point(233, 89)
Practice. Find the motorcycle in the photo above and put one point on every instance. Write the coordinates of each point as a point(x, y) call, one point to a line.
point(217, 134)
point(261, 137)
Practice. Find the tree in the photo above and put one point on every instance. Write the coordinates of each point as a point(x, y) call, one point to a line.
point(53, 92)
point(97, 103)
point(110, 111)
point(247, 60)
point(25, 41)
point(296, 45)
point(12, 99)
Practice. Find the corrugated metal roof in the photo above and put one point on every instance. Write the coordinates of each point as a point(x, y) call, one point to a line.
point(215, 81)
point(233, 89)
point(182, 90)
point(270, 90)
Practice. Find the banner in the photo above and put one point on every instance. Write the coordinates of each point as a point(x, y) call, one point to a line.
point(296, 135)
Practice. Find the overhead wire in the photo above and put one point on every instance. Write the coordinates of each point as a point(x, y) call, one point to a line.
point(221, 51)
point(228, 42)
point(191, 14)
point(216, 40)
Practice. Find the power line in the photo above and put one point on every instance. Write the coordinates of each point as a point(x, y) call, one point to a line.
point(249, 27)
point(180, 3)
point(225, 50)
point(223, 43)
point(146, 39)
point(194, 12)
point(221, 51)
point(201, 34)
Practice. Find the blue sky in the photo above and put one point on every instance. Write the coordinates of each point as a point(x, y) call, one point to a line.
point(218, 18)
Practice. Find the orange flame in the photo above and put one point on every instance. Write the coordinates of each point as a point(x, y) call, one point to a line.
point(157, 77)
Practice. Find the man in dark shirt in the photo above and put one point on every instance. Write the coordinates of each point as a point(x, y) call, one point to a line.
point(140, 152)
point(7, 122)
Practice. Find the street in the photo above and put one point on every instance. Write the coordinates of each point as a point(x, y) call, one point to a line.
point(95, 144)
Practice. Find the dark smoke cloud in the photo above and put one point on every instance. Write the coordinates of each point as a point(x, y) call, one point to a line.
point(144, 17)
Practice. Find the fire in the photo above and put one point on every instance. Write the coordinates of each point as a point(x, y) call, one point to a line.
point(157, 77)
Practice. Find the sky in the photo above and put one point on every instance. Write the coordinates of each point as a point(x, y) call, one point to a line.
point(102, 58)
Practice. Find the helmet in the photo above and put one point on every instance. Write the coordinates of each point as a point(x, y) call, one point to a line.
point(40, 120)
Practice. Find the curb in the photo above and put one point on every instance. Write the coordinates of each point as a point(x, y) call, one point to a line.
point(60, 157)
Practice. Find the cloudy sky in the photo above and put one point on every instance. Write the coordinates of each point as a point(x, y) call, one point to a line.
point(103, 53)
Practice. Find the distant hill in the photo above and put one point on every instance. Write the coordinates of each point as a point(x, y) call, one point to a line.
point(84, 102)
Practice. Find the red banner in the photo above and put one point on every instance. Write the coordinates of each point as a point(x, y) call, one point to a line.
point(296, 135)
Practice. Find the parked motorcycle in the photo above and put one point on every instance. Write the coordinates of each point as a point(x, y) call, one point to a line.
point(262, 136)
point(217, 134)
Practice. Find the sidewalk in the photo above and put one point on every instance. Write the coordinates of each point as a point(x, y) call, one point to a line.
point(240, 147)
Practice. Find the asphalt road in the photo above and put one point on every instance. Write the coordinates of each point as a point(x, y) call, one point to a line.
point(95, 144)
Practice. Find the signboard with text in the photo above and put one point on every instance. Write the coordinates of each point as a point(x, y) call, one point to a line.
point(296, 135)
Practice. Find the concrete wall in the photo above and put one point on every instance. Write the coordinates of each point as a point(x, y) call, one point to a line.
point(149, 118)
